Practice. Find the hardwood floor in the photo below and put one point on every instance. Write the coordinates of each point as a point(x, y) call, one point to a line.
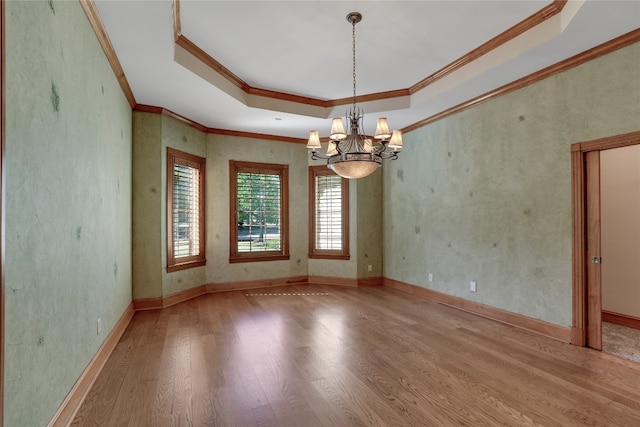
point(331, 356)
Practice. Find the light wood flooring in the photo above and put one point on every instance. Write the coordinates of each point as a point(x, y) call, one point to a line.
point(331, 356)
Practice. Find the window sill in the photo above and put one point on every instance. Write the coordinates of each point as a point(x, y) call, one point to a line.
point(185, 265)
point(329, 256)
point(257, 258)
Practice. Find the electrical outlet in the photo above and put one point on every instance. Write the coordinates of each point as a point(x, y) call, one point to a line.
point(369, 268)
point(472, 286)
point(99, 326)
point(430, 277)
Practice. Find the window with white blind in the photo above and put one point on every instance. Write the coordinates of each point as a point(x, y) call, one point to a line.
point(185, 210)
point(258, 211)
point(328, 214)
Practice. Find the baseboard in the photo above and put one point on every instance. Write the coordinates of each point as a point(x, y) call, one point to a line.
point(344, 281)
point(67, 411)
point(621, 319)
point(370, 281)
point(147, 304)
point(539, 326)
point(173, 299)
point(254, 284)
point(182, 296)
point(157, 303)
point(71, 404)
point(333, 281)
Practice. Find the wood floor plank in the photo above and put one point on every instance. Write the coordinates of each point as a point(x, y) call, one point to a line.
point(181, 407)
point(331, 357)
point(142, 360)
point(495, 368)
point(84, 415)
point(163, 398)
point(203, 404)
point(98, 408)
point(142, 413)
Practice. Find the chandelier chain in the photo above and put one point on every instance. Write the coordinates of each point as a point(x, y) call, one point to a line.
point(353, 36)
point(353, 154)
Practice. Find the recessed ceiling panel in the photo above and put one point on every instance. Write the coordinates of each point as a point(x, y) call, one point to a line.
point(396, 49)
point(304, 47)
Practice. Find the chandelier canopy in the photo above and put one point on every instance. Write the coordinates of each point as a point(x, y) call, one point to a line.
point(354, 155)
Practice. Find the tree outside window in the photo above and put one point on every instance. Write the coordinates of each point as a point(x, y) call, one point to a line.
point(259, 211)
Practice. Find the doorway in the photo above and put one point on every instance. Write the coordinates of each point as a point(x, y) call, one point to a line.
point(587, 268)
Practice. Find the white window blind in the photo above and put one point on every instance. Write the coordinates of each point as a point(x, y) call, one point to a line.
point(186, 211)
point(328, 218)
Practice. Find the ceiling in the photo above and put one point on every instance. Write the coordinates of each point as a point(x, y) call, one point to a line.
point(284, 67)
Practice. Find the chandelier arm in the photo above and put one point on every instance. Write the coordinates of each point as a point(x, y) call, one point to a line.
point(318, 156)
point(389, 155)
point(353, 154)
point(379, 149)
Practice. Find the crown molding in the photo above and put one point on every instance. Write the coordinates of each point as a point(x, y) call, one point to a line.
point(502, 38)
point(93, 16)
point(216, 131)
point(222, 77)
point(581, 58)
point(541, 16)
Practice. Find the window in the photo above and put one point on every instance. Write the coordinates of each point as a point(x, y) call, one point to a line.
point(259, 211)
point(328, 214)
point(185, 210)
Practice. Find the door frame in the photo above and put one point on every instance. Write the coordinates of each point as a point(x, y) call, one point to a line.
point(587, 297)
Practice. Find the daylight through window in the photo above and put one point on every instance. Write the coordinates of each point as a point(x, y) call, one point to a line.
point(185, 210)
point(328, 214)
point(259, 230)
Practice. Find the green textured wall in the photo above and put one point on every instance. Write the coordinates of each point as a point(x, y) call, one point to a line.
point(369, 225)
point(185, 138)
point(152, 134)
point(147, 205)
point(68, 204)
point(365, 231)
point(221, 149)
point(485, 194)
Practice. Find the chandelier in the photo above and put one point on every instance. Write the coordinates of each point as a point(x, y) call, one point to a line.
point(353, 154)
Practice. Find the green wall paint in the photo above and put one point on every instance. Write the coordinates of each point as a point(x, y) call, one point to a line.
point(185, 138)
point(221, 149)
point(365, 231)
point(68, 204)
point(148, 193)
point(485, 194)
point(152, 134)
point(369, 225)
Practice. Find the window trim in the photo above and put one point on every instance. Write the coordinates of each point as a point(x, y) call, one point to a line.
point(236, 167)
point(179, 157)
point(314, 253)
